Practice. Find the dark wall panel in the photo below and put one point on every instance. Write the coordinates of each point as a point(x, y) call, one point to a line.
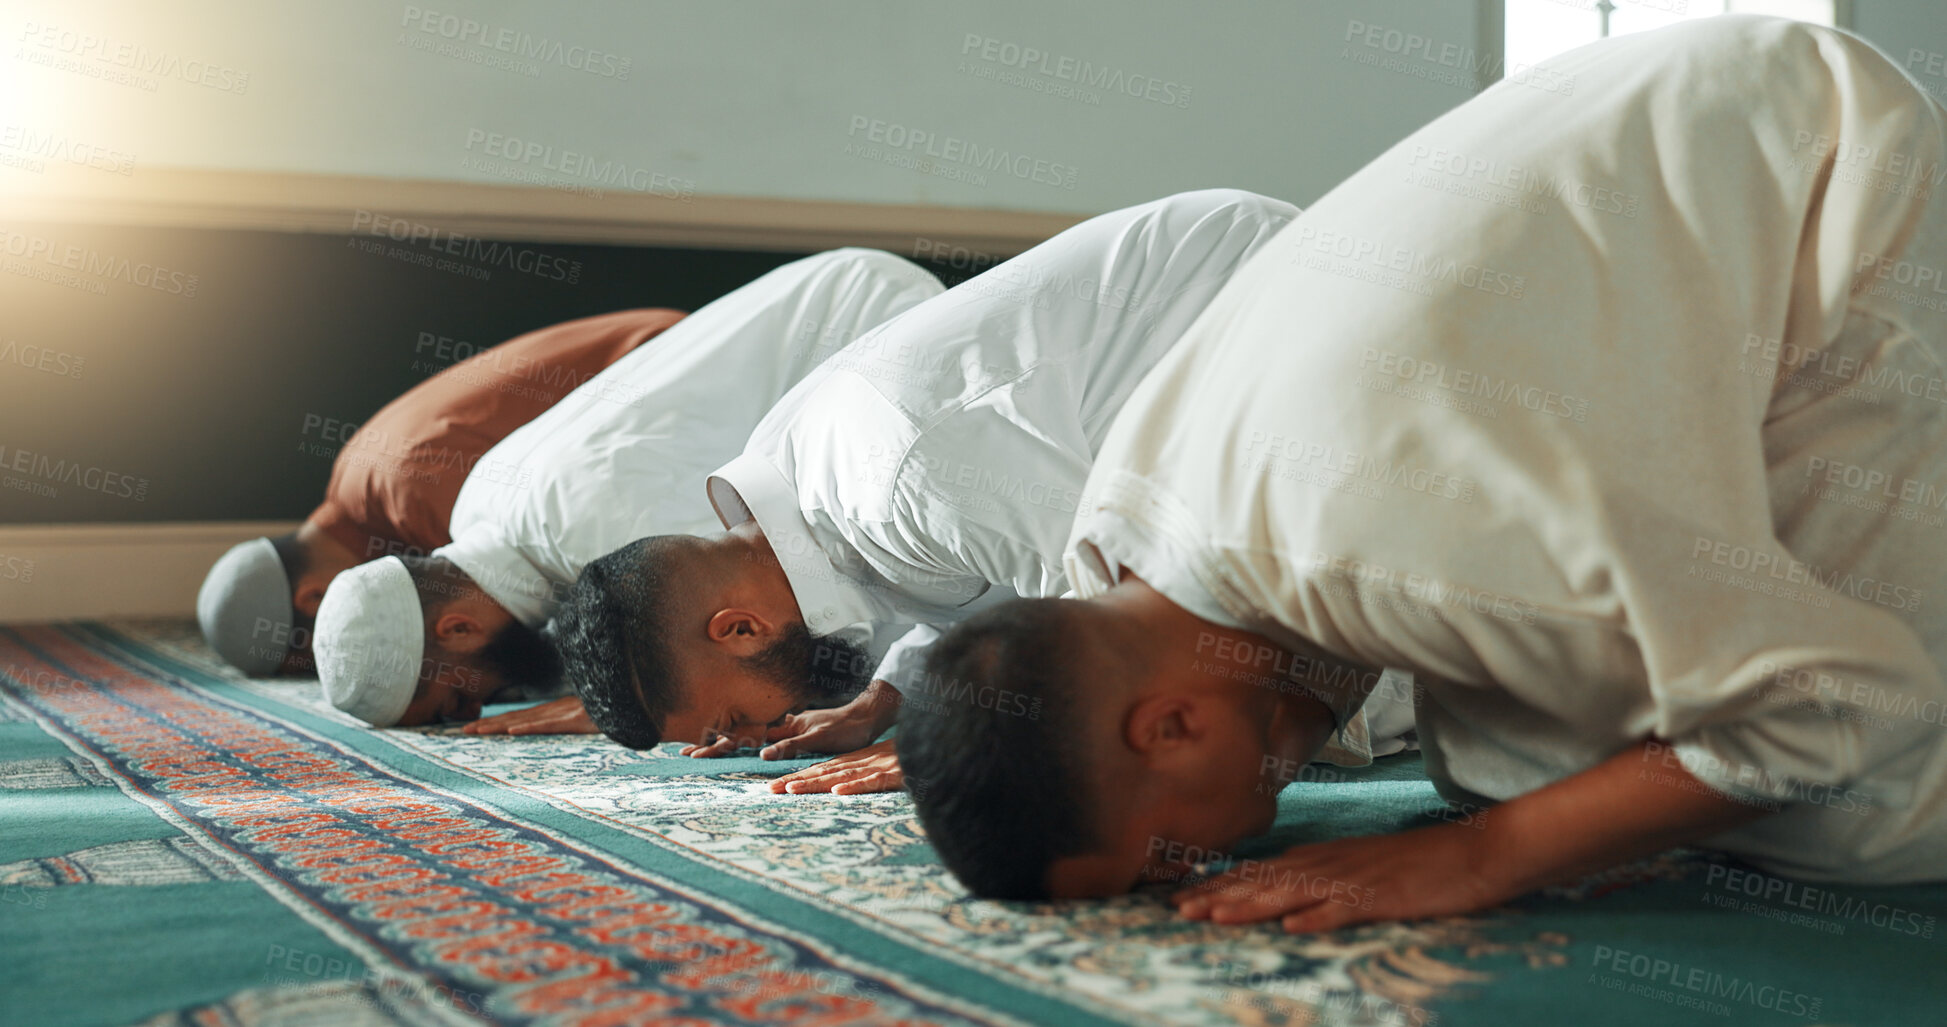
point(183, 375)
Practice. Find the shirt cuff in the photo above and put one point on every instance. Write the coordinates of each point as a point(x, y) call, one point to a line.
point(905, 662)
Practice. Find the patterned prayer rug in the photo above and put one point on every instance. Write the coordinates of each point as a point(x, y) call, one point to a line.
point(180, 846)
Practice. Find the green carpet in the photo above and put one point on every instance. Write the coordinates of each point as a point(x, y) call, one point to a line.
point(178, 845)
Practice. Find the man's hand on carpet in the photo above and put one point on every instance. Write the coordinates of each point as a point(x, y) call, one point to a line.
point(874, 768)
point(1427, 872)
point(555, 717)
point(840, 729)
point(835, 730)
point(724, 745)
point(1638, 802)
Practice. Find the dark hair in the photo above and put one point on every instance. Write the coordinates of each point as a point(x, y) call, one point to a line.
point(607, 631)
point(998, 783)
point(294, 555)
point(820, 671)
point(612, 631)
point(521, 655)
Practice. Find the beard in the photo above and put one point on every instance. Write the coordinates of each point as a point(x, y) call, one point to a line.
point(821, 672)
point(521, 656)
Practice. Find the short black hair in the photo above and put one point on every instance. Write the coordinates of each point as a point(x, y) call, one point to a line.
point(989, 745)
point(609, 632)
point(613, 635)
point(294, 555)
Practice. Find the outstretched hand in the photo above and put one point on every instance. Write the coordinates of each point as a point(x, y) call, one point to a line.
point(555, 717)
point(1426, 872)
point(839, 729)
point(874, 768)
point(1637, 802)
point(724, 745)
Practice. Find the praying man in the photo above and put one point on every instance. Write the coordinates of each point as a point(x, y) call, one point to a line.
point(1685, 329)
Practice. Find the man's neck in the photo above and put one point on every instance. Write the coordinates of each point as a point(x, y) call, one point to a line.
point(327, 555)
point(1294, 687)
point(758, 561)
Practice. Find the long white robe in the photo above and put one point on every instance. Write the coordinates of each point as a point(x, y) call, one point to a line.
point(625, 454)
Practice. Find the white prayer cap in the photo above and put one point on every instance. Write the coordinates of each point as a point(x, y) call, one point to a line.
point(244, 608)
point(369, 641)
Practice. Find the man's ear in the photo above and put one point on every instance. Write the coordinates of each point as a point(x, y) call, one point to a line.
point(1160, 726)
point(460, 632)
point(744, 632)
point(310, 592)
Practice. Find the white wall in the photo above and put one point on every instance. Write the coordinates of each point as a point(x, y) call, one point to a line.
point(762, 98)
point(742, 98)
point(1914, 32)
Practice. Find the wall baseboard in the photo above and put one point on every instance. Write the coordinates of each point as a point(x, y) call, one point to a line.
point(361, 205)
point(74, 571)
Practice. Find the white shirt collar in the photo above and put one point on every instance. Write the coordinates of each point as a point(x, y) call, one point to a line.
point(750, 488)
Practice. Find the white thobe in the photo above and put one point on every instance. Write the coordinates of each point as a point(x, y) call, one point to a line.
point(625, 455)
point(934, 466)
point(1609, 404)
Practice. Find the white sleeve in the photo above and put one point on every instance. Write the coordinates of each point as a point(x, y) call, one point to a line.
point(906, 660)
point(1795, 691)
point(942, 526)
